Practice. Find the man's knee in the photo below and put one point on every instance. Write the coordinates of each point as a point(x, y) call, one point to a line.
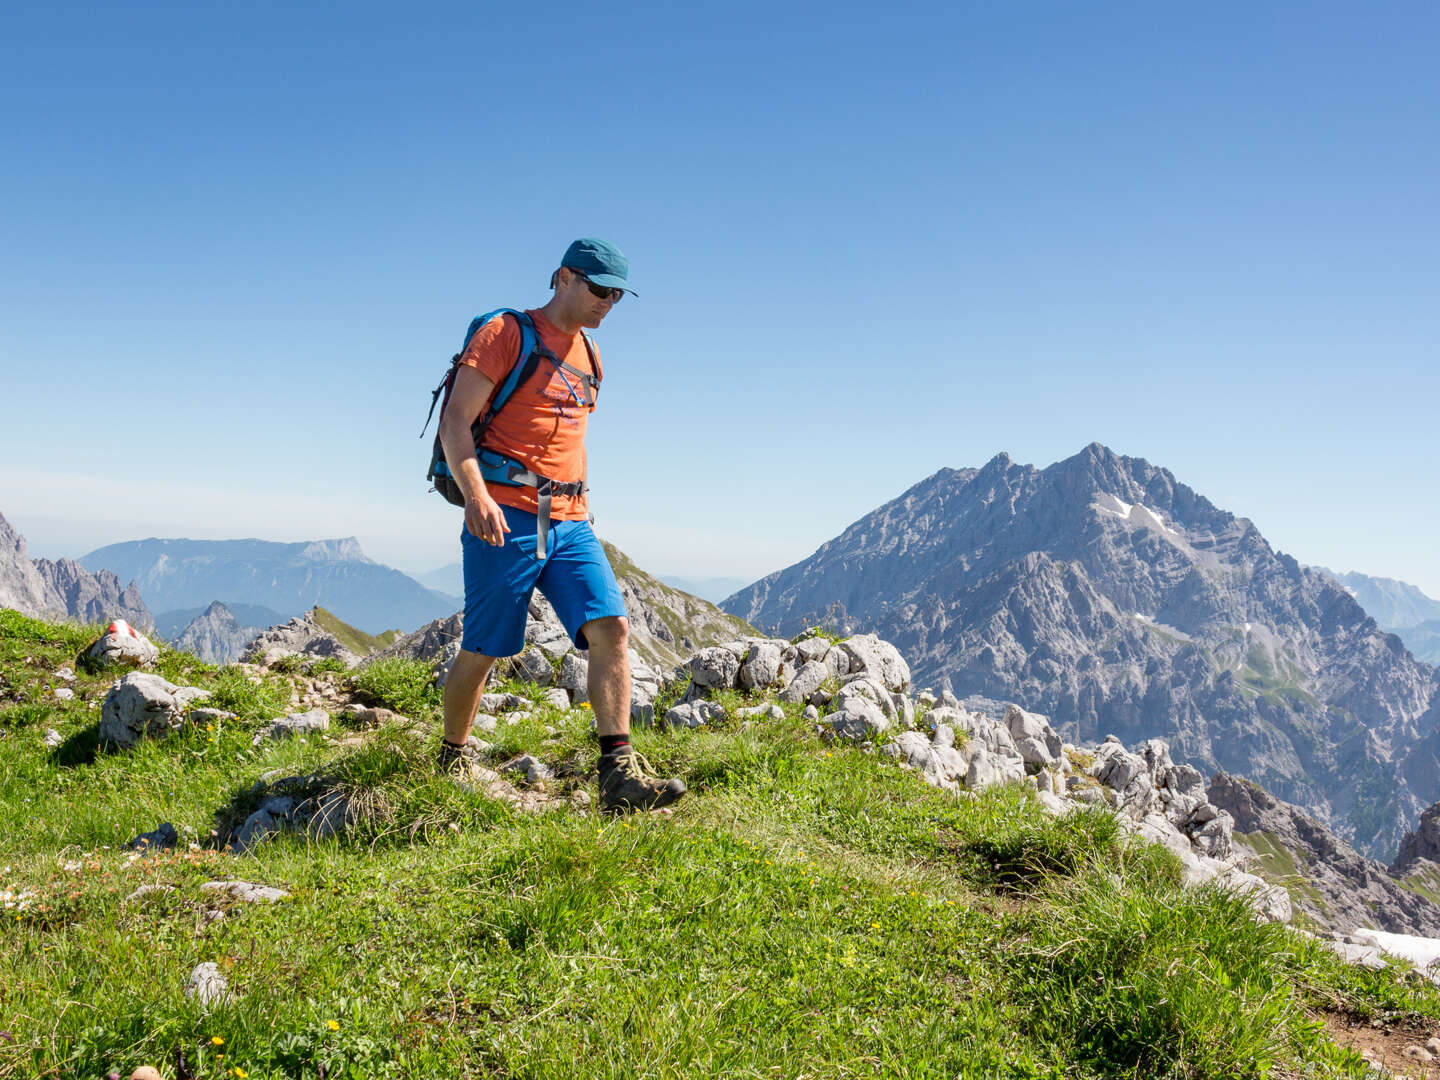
point(611, 632)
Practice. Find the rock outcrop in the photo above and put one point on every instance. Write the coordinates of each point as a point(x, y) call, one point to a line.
point(301, 636)
point(1332, 883)
point(1422, 845)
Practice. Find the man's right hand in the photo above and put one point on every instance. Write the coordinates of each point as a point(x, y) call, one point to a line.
point(485, 520)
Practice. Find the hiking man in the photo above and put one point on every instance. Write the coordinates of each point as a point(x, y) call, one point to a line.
point(527, 520)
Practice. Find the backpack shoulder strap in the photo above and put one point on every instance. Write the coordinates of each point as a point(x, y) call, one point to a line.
point(524, 365)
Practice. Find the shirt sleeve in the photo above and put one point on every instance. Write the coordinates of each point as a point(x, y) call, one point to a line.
point(493, 348)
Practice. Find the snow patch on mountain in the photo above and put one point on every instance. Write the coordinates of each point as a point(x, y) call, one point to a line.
point(1135, 513)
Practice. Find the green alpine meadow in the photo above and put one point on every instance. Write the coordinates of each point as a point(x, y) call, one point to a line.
point(810, 909)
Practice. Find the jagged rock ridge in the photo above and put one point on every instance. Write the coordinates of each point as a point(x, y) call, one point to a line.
point(1112, 597)
point(1329, 880)
point(62, 588)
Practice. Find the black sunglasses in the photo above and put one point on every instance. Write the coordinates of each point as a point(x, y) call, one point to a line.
point(604, 292)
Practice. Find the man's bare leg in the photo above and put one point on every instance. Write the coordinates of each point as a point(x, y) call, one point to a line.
point(463, 687)
point(608, 683)
point(623, 783)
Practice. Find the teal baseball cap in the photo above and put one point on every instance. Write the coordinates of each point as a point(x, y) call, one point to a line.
point(602, 263)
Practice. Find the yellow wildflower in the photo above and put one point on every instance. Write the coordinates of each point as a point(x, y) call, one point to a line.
point(333, 1025)
point(217, 1040)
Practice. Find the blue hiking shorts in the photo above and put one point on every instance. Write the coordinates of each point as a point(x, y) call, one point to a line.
point(575, 576)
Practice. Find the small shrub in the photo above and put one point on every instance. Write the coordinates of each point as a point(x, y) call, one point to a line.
point(406, 686)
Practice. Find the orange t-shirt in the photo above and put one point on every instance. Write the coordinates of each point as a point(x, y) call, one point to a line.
point(543, 423)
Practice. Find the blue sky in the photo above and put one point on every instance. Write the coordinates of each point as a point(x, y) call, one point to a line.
point(239, 244)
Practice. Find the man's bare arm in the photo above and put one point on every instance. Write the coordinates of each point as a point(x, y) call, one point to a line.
point(483, 516)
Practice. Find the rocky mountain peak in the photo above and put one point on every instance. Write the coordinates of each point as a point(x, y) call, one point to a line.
point(1422, 844)
point(1109, 595)
point(346, 549)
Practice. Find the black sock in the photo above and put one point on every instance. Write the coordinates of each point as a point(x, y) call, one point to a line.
point(610, 743)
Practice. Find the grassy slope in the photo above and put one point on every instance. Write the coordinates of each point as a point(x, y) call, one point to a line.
point(357, 641)
point(807, 911)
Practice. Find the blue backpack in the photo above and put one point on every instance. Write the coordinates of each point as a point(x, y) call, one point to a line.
point(495, 467)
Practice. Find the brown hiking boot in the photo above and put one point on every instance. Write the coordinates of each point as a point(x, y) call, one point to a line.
point(624, 785)
point(457, 757)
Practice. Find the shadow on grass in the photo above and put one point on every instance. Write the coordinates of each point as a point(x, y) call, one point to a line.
point(82, 748)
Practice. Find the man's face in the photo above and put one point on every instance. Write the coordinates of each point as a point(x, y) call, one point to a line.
point(589, 309)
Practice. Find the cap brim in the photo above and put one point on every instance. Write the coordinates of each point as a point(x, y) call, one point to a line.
point(610, 281)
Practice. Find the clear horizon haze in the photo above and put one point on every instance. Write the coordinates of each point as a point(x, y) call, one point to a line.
point(241, 244)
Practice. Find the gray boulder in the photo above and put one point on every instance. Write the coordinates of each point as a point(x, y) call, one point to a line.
point(162, 838)
point(245, 892)
point(857, 719)
point(645, 684)
point(715, 668)
point(533, 665)
point(935, 759)
point(761, 666)
point(125, 648)
point(1127, 775)
point(530, 767)
point(868, 653)
point(1034, 738)
point(812, 648)
point(987, 769)
point(872, 690)
point(807, 680)
point(301, 636)
point(295, 724)
point(207, 985)
point(272, 818)
point(575, 677)
point(693, 714)
point(140, 705)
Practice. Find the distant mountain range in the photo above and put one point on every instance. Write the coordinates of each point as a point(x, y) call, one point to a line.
point(1103, 592)
point(175, 575)
point(1400, 609)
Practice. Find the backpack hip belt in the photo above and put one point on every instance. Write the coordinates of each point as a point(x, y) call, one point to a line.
point(499, 469)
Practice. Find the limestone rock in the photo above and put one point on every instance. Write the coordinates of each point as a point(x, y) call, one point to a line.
point(1034, 738)
point(879, 658)
point(301, 636)
point(246, 892)
point(693, 714)
point(715, 668)
point(761, 666)
point(575, 677)
point(162, 838)
point(530, 767)
point(138, 706)
point(807, 680)
point(207, 985)
point(1127, 775)
point(812, 648)
point(935, 759)
point(857, 719)
point(987, 768)
point(296, 724)
point(123, 647)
